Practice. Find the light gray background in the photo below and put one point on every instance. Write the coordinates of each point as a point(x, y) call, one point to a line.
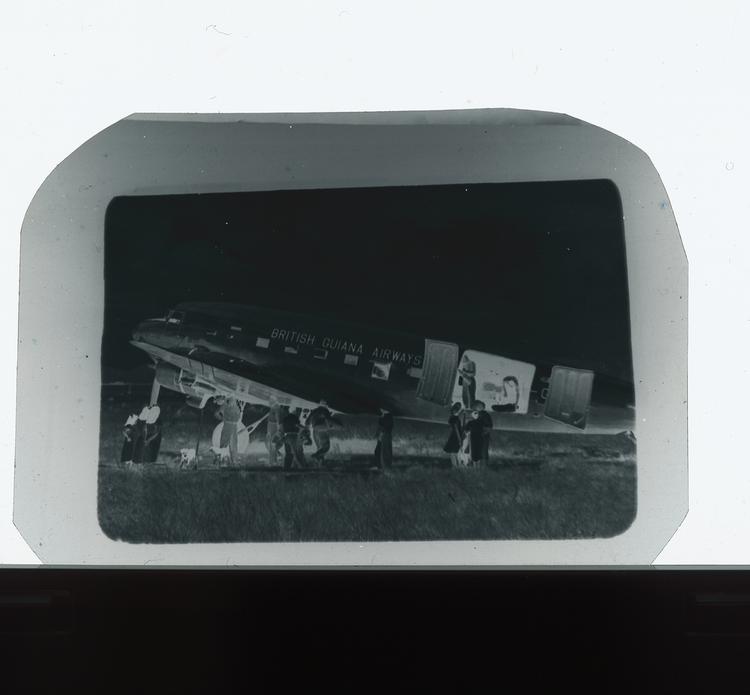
point(62, 307)
point(667, 77)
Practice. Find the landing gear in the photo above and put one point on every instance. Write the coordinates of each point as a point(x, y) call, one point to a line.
point(155, 387)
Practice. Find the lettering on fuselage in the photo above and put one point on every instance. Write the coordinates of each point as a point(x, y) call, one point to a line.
point(293, 337)
point(350, 347)
point(388, 355)
point(342, 345)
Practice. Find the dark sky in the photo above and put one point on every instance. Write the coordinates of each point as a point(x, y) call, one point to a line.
point(534, 271)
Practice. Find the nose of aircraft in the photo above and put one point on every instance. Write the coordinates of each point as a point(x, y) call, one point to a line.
point(148, 331)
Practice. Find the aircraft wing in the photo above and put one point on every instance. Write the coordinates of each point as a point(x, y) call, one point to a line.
point(288, 381)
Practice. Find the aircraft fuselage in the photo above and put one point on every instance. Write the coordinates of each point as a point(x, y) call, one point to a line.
point(204, 349)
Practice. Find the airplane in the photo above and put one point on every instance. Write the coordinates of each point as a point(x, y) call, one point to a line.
point(209, 349)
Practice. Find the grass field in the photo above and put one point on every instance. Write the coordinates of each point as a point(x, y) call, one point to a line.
point(538, 486)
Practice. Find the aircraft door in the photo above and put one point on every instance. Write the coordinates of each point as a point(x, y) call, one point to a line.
point(438, 372)
point(569, 396)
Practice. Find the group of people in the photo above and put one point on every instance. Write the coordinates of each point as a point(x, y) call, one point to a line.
point(291, 429)
point(141, 438)
point(288, 429)
point(469, 438)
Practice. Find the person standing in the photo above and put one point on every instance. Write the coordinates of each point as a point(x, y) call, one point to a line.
point(474, 431)
point(139, 439)
point(456, 435)
point(152, 434)
point(232, 414)
point(384, 447)
point(468, 372)
point(321, 421)
point(274, 434)
point(293, 451)
point(304, 421)
point(128, 433)
point(486, 431)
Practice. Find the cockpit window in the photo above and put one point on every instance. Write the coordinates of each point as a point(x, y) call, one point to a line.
point(175, 317)
point(207, 322)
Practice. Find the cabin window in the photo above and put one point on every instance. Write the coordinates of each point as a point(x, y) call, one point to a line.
point(175, 317)
point(381, 370)
point(290, 350)
point(351, 360)
point(262, 342)
point(320, 354)
point(415, 372)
